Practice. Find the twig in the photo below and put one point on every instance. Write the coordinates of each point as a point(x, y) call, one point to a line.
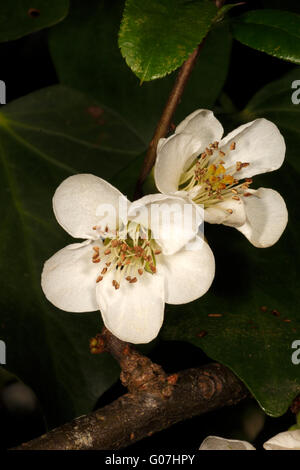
point(164, 123)
point(156, 402)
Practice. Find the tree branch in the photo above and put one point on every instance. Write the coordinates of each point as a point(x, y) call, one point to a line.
point(155, 401)
point(164, 123)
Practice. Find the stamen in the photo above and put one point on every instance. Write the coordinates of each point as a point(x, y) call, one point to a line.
point(126, 258)
point(210, 180)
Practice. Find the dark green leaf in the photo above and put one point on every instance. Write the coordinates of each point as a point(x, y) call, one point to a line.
point(95, 32)
point(157, 37)
point(21, 17)
point(45, 137)
point(254, 341)
point(272, 31)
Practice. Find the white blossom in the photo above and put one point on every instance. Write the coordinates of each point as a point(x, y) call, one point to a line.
point(128, 279)
point(215, 172)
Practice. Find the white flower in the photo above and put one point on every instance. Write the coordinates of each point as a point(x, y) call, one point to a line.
point(219, 443)
point(288, 440)
point(129, 280)
point(207, 168)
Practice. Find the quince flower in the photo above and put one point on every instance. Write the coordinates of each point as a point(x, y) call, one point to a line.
point(288, 440)
point(127, 277)
point(219, 443)
point(208, 169)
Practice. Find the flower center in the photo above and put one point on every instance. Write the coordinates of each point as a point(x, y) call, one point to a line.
point(127, 258)
point(209, 182)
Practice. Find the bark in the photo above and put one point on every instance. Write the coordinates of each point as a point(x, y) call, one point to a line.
point(155, 401)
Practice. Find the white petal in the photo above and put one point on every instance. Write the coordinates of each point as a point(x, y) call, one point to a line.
point(84, 201)
point(266, 217)
point(134, 312)
point(173, 220)
point(289, 440)
point(219, 213)
point(188, 273)
point(174, 155)
point(219, 443)
point(69, 278)
point(258, 143)
point(203, 125)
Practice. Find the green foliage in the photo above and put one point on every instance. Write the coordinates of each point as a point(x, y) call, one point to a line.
point(157, 37)
point(115, 85)
point(45, 137)
point(272, 31)
point(21, 17)
point(254, 341)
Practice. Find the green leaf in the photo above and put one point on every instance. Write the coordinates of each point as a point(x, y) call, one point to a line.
point(45, 137)
point(22, 17)
point(157, 37)
point(272, 31)
point(95, 32)
point(254, 298)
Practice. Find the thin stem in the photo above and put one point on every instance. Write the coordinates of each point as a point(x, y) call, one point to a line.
point(164, 123)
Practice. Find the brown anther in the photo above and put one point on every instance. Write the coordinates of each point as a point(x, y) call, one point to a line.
point(99, 278)
point(230, 211)
point(107, 252)
point(247, 194)
point(133, 280)
point(157, 252)
point(238, 166)
point(234, 191)
point(222, 154)
point(232, 146)
point(248, 180)
point(128, 261)
point(104, 270)
point(215, 315)
point(236, 198)
point(116, 285)
point(140, 271)
point(132, 436)
point(208, 151)
point(96, 249)
point(124, 247)
point(216, 144)
point(263, 308)
point(128, 278)
point(244, 165)
point(96, 260)
point(106, 229)
point(108, 264)
point(114, 243)
point(95, 227)
point(153, 268)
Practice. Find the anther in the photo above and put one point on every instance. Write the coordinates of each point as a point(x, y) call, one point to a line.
point(134, 279)
point(107, 252)
point(104, 270)
point(232, 146)
point(99, 278)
